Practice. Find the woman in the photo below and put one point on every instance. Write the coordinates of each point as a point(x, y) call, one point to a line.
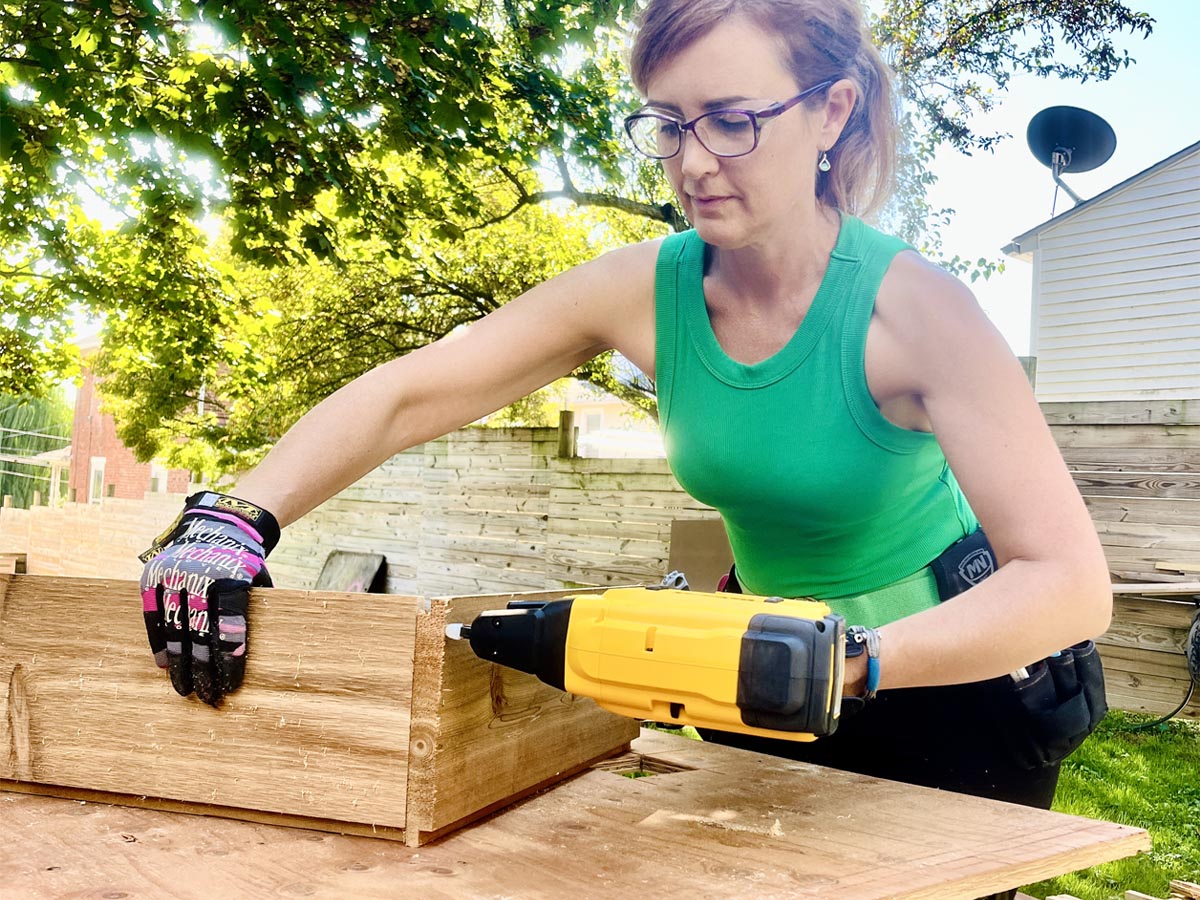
point(844, 403)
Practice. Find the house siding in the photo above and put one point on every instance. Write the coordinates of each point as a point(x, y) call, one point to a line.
point(1117, 294)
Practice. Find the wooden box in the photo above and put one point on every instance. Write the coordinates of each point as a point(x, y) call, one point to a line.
point(357, 715)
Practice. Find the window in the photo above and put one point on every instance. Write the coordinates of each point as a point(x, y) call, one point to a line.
point(96, 480)
point(158, 478)
point(594, 422)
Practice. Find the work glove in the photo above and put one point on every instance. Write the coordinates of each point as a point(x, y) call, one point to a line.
point(196, 588)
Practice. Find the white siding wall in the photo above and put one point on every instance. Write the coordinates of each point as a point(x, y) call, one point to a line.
point(1117, 294)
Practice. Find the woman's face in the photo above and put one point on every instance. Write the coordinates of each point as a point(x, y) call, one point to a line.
point(741, 201)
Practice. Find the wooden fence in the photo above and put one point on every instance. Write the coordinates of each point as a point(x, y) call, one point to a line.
point(1138, 468)
point(481, 510)
point(491, 510)
point(87, 540)
point(494, 510)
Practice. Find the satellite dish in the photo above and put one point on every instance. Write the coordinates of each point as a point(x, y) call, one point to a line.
point(1070, 139)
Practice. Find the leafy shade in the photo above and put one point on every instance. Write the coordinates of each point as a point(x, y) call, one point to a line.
point(300, 333)
point(314, 133)
point(956, 57)
point(155, 114)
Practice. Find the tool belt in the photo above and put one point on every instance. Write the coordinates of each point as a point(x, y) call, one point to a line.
point(1051, 705)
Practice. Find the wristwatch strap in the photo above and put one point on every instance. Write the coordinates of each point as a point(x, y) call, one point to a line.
point(860, 639)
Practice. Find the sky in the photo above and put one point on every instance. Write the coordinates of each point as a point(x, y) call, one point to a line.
point(1154, 108)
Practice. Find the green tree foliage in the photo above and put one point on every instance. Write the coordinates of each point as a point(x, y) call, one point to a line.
point(955, 57)
point(322, 132)
point(954, 60)
point(170, 110)
point(292, 335)
point(30, 426)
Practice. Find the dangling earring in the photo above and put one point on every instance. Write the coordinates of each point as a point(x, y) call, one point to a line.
point(824, 165)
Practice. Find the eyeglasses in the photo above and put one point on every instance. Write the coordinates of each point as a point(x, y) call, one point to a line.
point(722, 132)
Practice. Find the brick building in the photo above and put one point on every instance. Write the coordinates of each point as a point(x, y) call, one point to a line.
point(101, 466)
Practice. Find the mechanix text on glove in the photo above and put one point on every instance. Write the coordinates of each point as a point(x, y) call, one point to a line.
point(196, 590)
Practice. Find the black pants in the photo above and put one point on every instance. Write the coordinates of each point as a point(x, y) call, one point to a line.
point(951, 737)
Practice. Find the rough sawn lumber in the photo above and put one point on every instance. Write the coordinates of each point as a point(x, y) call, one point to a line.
point(483, 735)
point(318, 736)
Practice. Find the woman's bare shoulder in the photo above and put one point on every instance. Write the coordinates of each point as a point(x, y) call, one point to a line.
point(914, 284)
point(919, 302)
point(629, 265)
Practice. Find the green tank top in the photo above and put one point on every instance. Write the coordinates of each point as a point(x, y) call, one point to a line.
point(821, 495)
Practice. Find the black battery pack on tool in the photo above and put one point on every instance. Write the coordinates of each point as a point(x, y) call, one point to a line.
point(1052, 705)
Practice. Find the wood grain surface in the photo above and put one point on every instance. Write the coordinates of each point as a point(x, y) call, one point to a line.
point(320, 729)
point(1145, 669)
point(322, 733)
point(730, 825)
point(483, 734)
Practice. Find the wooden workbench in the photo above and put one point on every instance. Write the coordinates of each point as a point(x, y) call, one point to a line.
point(716, 822)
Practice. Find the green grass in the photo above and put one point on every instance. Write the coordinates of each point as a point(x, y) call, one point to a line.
point(1150, 779)
point(686, 731)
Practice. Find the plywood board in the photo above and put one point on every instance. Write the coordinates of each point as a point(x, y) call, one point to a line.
point(730, 824)
point(700, 550)
point(1183, 589)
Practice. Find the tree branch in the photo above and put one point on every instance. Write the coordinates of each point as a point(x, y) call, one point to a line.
point(665, 212)
point(516, 182)
point(568, 184)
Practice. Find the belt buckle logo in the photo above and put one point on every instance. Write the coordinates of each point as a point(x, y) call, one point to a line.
point(976, 566)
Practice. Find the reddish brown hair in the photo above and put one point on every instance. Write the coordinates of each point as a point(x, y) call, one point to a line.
point(820, 40)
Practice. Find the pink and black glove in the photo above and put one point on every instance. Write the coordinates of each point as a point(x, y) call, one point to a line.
point(196, 588)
